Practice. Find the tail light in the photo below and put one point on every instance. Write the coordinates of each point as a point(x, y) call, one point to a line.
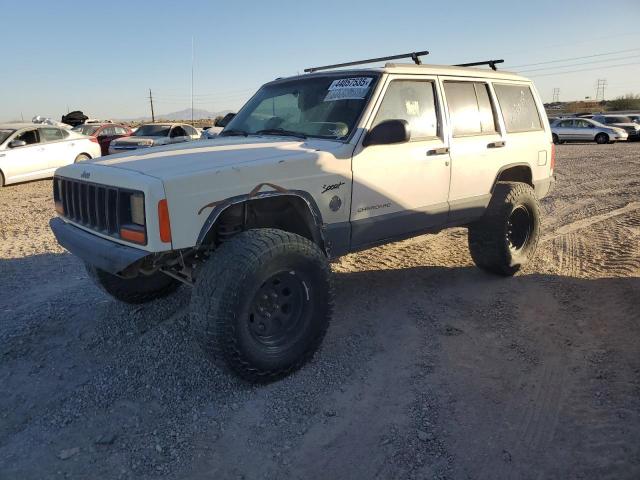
point(553, 157)
point(163, 221)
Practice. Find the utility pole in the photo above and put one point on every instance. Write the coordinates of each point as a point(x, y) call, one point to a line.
point(602, 83)
point(153, 117)
point(556, 95)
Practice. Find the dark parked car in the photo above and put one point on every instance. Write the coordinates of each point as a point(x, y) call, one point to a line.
point(104, 132)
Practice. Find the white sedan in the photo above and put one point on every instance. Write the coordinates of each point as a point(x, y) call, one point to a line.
point(32, 151)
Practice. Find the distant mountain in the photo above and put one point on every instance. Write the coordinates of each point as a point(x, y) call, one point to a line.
point(198, 114)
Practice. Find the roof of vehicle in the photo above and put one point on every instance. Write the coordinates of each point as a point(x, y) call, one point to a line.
point(19, 125)
point(410, 68)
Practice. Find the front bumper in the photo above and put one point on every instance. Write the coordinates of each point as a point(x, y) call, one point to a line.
point(106, 255)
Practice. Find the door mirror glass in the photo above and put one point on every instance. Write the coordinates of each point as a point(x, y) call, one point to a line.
point(17, 143)
point(388, 132)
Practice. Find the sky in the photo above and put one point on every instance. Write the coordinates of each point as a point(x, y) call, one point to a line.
point(103, 57)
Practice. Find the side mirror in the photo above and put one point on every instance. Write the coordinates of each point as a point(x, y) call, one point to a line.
point(388, 132)
point(222, 122)
point(17, 143)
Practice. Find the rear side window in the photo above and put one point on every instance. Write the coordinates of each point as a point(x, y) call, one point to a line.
point(470, 108)
point(518, 108)
point(51, 134)
point(413, 101)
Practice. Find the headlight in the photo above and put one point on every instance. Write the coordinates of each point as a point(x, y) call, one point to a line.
point(137, 208)
point(145, 143)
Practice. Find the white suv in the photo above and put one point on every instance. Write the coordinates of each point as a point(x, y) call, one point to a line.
point(311, 168)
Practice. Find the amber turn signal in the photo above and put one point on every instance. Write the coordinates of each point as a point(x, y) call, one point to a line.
point(163, 221)
point(133, 233)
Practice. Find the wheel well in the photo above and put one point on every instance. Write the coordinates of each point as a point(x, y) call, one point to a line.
point(286, 212)
point(515, 173)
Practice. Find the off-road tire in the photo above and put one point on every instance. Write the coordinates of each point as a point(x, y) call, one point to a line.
point(489, 237)
point(83, 157)
point(229, 285)
point(140, 289)
point(602, 138)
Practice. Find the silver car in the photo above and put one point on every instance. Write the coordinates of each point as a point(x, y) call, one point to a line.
point(620, 121)
point(585, 130)
point(154, 134)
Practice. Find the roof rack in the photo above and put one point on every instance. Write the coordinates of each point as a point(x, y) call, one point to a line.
point(491, 63)
point(413, 55)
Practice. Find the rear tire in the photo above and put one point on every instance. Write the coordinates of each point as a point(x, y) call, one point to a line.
point(83, 157)
point(140, 289)
point(1, 180)
point(262, 304)
point(556, 139)
point(505, 238)
point(602, 138)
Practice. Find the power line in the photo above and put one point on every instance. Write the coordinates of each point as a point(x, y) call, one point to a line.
point(579, 64)
point(583, 70)
point(575, 58)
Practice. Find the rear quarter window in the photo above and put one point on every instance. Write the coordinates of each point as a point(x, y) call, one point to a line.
point(518, 107)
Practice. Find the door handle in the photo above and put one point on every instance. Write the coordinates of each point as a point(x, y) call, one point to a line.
point(438, 151)
point(498, 144)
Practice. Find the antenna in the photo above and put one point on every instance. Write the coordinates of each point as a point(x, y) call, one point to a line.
point(192, 55)
point(413, 55)
point(153, 117)
point(491, 63)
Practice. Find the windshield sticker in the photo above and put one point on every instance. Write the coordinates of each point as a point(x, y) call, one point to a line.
point(348, 89)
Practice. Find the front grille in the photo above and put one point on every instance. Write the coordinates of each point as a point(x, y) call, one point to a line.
point(98, 207)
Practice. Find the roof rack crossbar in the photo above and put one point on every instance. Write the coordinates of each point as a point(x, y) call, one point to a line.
point(491, 63)
point(413, 55)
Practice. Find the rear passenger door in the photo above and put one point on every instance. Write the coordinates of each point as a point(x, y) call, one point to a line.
point(57, 150)
point(477, 146)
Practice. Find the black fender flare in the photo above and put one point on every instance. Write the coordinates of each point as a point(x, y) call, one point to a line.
point(220, 206)
point(507, 167)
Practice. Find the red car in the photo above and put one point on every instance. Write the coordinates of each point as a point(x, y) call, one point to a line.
point(104, 133)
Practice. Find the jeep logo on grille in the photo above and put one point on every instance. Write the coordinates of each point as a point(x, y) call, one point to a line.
point(85, 174)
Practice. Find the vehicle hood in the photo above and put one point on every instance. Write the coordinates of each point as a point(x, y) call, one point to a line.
point(130, 140)
point(187, 159)
point(626, 124)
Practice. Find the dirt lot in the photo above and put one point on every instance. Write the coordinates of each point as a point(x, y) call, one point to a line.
point(431, 368)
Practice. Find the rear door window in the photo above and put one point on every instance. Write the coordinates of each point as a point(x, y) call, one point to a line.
point(518, 107)
point(413, 101)
point(51, 134)
point(470, 108)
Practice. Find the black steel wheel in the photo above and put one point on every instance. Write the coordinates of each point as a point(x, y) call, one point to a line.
point(506, 237)
point(262, 303)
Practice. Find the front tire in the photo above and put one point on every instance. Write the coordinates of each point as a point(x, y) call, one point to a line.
point(140, 289)
point(505, 238)
point(262, 304)
point(602, 138)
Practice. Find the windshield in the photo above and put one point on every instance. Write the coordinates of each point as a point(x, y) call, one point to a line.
point(617, 119)
point(153, 131)
point(86, 129)
point(317, 106)
point(4, 134)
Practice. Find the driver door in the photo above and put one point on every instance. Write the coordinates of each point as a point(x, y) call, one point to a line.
point(401, 189)
point(28, 162)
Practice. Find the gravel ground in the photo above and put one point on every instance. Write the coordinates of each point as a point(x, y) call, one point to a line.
point(431, 368)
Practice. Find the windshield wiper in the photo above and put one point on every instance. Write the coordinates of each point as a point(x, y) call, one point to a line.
point(233, 132)
point(281, 131)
